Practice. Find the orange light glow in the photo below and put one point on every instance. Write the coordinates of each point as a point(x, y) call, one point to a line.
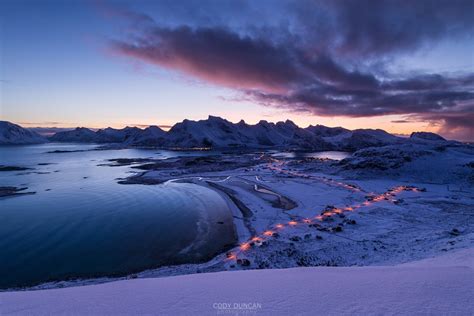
point(245, 246)
point(330, 211)
point(231, 256)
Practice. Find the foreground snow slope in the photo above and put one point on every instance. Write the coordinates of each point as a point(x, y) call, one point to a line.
point(442, 285)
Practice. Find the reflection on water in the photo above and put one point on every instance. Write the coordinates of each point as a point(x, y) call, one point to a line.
point(81, 223)
point(335, 155)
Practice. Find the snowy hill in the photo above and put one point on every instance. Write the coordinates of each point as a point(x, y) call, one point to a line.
point(325, 131)
point(12, 134)
point(80, 135)
point(437, 286)
point(112, 135)
point(106, 135)
point(363, 138)
point(428, 161)
point(344, 139)
point(426, 135)
point(150, 136)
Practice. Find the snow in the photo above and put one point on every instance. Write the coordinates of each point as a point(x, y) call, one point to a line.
point(217, 132)
point(116, 135)
point(443, 162)
point(106, 135)
point(392, 202)
point(432, 197)
point(12, 134)
point(439, 286)
point(363, 138)
point(150, 136)
point(80, 134)
point(426, 136)
point(325, 131)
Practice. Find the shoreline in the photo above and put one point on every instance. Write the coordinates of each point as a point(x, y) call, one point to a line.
point(218, 262)
point(241, 232)
point(238, 210)
point(242, 225)
point(386, 229)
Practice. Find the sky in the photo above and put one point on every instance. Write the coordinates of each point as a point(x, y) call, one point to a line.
point(402, 66)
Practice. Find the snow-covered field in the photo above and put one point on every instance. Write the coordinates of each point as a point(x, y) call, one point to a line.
point(312, 212)
point(439, 286)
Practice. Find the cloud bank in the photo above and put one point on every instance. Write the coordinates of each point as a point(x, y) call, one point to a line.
point(325, 58)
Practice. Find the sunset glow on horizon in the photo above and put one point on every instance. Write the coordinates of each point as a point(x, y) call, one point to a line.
point(66, 64)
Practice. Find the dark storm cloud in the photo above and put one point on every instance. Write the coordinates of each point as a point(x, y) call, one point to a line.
point(400, 121)
point(219, 56)
point(326, 58)
point(455, 123)
point(367, 27)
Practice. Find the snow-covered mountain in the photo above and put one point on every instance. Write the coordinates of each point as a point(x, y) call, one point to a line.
point(213, 132)
point(80, 135)
point(426, 136)
point(204, 133)
point(12, 134)
point(112, 135)
point(217, 132)
point(325, 131)
point(363, 138)
point(344, 139)
point(288, 135)
point(150, 136)
point(106, 135)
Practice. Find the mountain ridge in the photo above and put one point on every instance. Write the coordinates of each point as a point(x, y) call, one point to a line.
point(216, 132)
point(13, 134)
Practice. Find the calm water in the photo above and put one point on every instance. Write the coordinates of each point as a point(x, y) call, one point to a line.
point(81, 223)
point(335, 155)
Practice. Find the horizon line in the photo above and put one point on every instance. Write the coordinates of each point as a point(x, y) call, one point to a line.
point(167, 127)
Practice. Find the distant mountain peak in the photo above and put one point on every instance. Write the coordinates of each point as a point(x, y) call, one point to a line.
point(427, 136)
point(264, 122)
point(215, 118)
point(12, 134)
point(220, 133)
